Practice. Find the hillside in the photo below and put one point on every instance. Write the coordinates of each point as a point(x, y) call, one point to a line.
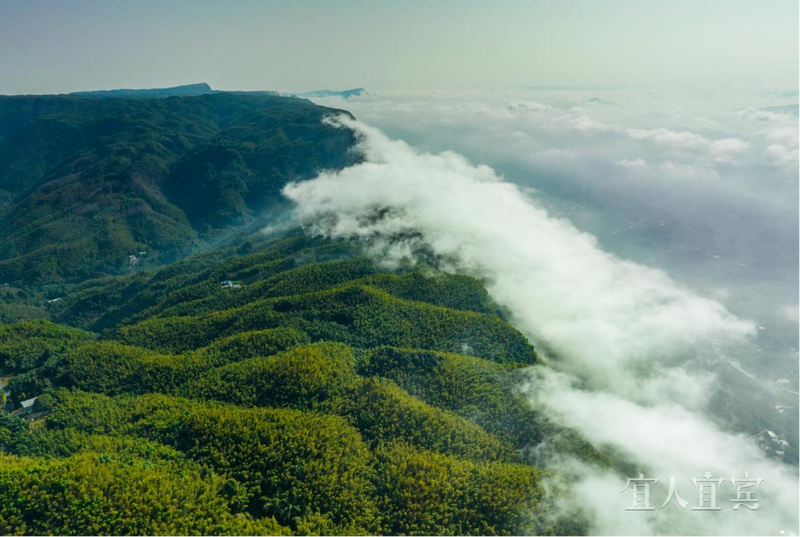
point(233, 382)
point(315, 394)
point(88, 180)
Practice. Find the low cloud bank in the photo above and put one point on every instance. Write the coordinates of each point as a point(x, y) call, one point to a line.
point(628, 345)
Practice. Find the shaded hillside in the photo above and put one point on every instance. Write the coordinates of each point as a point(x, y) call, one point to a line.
point(85, 182)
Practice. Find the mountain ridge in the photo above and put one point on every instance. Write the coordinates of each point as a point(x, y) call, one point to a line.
point(200, 88)
point(156, 345)
point(86, 182)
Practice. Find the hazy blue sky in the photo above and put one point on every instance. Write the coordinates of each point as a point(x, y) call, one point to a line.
point(58, 46)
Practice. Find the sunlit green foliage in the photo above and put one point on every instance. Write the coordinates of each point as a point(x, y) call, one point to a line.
point(291, 463)
point(303, 377)
point(359, 315)
point(424, 493)
point(108, 302)
point(447, 290)
point(96, 494)
point(323, 396)
point(245, 345)
point(478, 389)
point(24, 346)
point(385, 413)
point(112, 368)
point(31, 351)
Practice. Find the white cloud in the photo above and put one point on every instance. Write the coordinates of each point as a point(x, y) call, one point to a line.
point(667, 439)
point(635, 164)
point(723, 150)
point(556, 153)
point(670, 138)
point(598, 311)
point(784, 156)
point(757, 114)
point(726, 148)
point(585, 123)
point(628, 335)
point(624, 330)
point(677, 169)
point(791, 312)
point(622, 310)
point(788, 135)
point(527, 106)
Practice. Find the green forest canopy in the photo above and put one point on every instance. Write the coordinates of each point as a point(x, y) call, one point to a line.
point(316, 393)
point(321, 396)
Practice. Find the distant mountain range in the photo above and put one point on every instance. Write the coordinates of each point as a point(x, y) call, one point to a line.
point(88, 179)
point(346, 94)
point(790, 109)
point(203, 89)
point(176, 91)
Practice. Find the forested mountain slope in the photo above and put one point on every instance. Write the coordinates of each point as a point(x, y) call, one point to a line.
point(230, 382)
point(313, 393)
point(87, 181)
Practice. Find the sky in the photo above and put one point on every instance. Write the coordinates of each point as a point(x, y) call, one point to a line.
point(622, 174)
point(53, 46)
